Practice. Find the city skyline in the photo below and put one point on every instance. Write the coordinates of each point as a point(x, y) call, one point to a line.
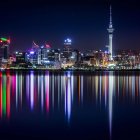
point(84, 23)
point(70, 69)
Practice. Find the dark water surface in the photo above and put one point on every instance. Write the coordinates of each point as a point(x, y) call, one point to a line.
point(100, 105)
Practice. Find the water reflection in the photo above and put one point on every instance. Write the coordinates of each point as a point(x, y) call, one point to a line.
point(47, 92)
point(68, 96)
point(111, 85)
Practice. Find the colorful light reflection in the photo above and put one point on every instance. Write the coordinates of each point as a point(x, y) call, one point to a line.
point(5, 95)
point(48, 92)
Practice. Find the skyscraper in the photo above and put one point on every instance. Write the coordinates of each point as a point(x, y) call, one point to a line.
point(4, 45)
point(110, 31)
point(67, 51)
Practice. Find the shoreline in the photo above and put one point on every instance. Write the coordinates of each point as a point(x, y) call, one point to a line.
point(74, 72)
point(70, 70)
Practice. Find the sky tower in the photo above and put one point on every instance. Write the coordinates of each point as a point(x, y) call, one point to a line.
point(110, 31)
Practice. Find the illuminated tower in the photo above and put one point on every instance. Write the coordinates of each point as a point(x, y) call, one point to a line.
point(110, 31)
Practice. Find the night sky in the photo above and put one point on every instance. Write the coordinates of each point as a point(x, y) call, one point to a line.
point(85, 22)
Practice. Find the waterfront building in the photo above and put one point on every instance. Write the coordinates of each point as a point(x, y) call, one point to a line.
point(20, 57)
point(128, 59)
point(32, 57)
point(67, 50)
point(96, 58)
point(4, 46)
point(75, 56)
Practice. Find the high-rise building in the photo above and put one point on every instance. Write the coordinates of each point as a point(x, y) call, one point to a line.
point(32, 57)
point(110, 31)
point(4, 44)
point(75, 56)
point(41, 54)
point(20, 57)
point(67, 51)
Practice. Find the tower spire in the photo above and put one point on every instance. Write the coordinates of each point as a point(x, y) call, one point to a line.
point(110, 23)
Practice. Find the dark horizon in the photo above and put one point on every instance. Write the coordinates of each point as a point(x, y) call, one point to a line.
point(84, 22)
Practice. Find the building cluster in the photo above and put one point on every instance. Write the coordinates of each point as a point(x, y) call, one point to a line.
point(45, 57)
point(48, 58)
point(127, 59)
point(40, 57)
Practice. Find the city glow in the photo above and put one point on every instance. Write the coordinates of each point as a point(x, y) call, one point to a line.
point(3, 39)
point(32, 52)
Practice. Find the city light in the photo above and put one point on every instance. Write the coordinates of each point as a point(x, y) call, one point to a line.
point(3, 39)
point(48, 46)
point(67, 41)
point(32, 52)
point(47, 61)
